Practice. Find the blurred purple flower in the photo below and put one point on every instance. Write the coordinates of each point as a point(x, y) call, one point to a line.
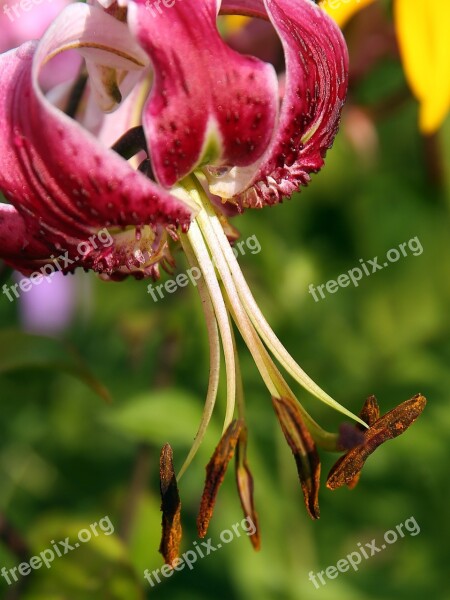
point(48, 308)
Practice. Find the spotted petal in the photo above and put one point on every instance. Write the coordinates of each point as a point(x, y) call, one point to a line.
point(316, 85)
point(16, 246)
point(62, 181)
point(209, 104)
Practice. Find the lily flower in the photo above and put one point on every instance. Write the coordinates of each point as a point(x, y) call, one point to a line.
point(422, 30)
point(197, 132)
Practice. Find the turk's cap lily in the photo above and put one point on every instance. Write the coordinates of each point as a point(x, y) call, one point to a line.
point(187, 118)
point(209, 110)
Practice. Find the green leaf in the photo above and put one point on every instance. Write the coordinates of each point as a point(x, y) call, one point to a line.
point(20, 350)
point(159, 416)
point(99, 567)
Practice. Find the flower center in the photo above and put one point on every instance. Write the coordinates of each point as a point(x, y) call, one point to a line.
point(139, 251)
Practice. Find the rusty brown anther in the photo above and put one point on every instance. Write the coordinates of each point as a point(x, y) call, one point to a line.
point(244, 482)
point(215, 473)
point(304, 451)
point(347, 469)
point(170, 507)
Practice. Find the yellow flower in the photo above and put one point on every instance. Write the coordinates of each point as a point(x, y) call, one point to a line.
point(422, 29)
point(235, 23)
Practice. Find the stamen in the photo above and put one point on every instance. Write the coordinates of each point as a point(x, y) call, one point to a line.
point(170, 507)
point(214, 358)
point(244, 481)
point(304, 450)
point(254, 344)
point(215, 473)
point(240, 400)
point(195, 238)
point(208, 249)
point(271, 376)
point(132, 142)
point(347, 469)
point(259, 321)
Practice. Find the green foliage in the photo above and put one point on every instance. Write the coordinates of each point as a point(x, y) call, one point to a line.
point(20, 351)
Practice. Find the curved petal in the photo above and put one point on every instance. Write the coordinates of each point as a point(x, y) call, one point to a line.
point(423, 28)
point(109, 55)
point(17, 247)
point(209, 104)
point(65, 184)
point(316, 85)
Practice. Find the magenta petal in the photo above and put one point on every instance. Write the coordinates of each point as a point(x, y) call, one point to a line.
point(209, 104)
point(52, 167)
point(64, 183)
point(12, 230)
point(17, 248)
point(316, 85)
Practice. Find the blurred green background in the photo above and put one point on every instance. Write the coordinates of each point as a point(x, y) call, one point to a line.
point(68, 458)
